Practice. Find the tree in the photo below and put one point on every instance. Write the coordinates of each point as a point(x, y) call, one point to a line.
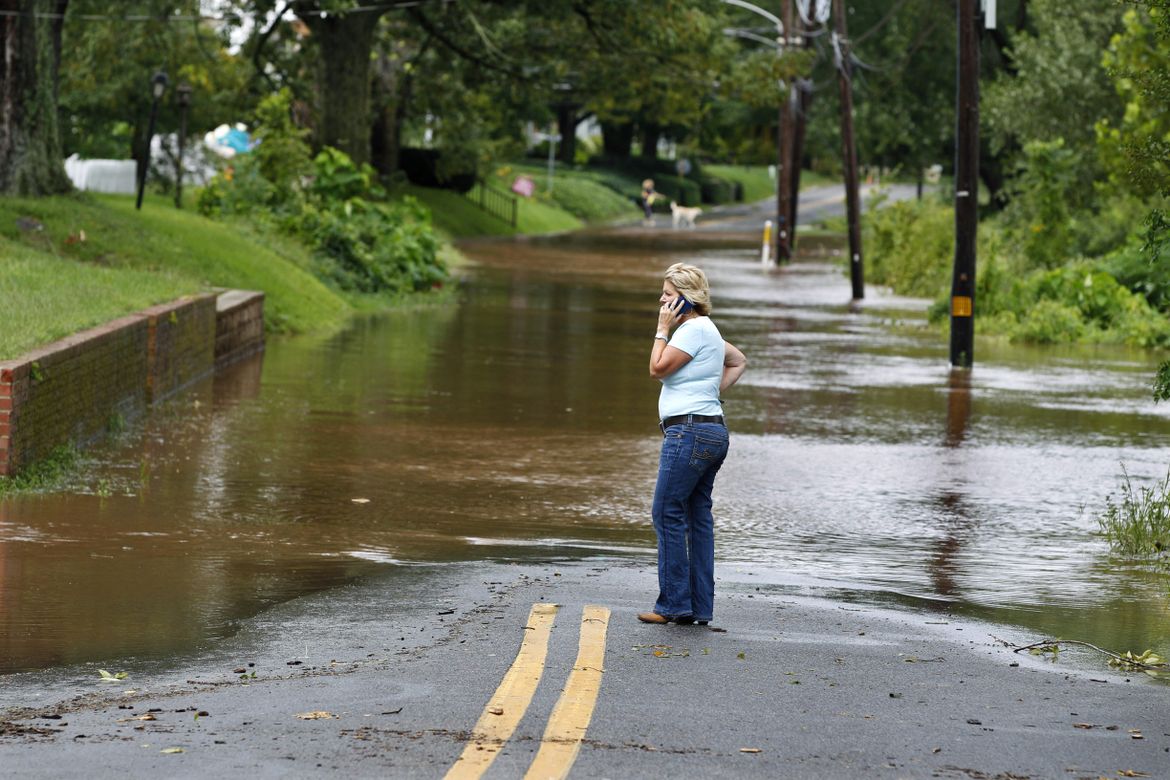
point(1136, 145)
point(343, 32)
point(30, 138)
point(1057, 86)
point(106, 75)
point(1139, 60)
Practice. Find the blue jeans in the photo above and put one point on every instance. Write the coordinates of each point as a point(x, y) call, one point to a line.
point(690, 459)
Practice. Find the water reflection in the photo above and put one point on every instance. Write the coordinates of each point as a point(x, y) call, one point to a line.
point(955, 511)
point(521, 424)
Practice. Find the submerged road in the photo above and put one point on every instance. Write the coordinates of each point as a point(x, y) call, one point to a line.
point(542, 670)
point(414, 550)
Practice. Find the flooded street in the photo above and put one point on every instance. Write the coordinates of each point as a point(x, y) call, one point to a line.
point(521, 424)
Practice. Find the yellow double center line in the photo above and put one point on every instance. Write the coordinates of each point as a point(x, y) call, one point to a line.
point(571, 715)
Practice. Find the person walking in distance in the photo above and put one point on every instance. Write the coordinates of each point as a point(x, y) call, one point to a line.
point(648, 198)
point(694, 365)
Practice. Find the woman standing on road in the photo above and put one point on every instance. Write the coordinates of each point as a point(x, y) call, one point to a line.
point(694, 365)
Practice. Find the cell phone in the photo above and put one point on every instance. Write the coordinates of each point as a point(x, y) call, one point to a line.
point(686, 307)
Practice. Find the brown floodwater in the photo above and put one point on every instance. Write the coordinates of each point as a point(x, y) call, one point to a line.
point(520, 423)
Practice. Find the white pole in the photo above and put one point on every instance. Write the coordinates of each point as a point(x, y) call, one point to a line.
point(552, 151)
point(766, 250)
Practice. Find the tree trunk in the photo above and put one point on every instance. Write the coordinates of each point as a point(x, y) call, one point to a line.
point(617, 138)
point(567, 121)
point(384, 140)
point(346, 43)
point(30, 135)
point(650, 135)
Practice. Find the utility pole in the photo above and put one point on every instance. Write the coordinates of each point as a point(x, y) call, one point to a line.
point(966, 188)
point(804, 91)
point(849, 148)
point(784, 147)
point(804, 95)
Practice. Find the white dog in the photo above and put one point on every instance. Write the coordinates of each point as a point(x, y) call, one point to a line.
point(681, 216)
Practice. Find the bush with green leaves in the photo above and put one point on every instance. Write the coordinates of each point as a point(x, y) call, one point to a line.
point(1078, 302)
point(1139, 525)
point(909, 246)
point(1042, 215)
point(373, 247)
point(361, 241)
point(1141, 264)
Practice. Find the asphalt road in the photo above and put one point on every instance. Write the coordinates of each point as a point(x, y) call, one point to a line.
point(816, 204)
point(397, 672)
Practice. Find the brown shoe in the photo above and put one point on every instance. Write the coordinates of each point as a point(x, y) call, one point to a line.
point(652, 617)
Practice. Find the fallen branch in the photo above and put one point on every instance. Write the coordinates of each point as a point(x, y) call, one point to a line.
point(1122, 660)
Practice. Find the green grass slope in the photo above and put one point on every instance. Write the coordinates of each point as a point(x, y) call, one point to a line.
point(123, 248)
point(458, 217)
point(47, 297)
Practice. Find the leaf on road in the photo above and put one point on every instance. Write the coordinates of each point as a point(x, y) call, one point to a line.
point(107, 677)
point(360, 500)
point(316, 715)
point(172, 750)
point(750, 750)
point(1131, 773)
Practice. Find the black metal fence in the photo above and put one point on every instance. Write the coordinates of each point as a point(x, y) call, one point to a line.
point(496, 202)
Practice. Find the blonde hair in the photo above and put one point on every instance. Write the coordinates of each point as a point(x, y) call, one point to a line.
point(691, 283)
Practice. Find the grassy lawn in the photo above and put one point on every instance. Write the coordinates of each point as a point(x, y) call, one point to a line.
point(582, 193)
point(47, 297)
point(458, 217)
point(757, 184)
point(131, 259)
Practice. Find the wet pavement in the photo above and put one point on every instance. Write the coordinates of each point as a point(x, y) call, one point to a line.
point(397, 677)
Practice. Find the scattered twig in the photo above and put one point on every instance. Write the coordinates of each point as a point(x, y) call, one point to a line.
point(1119, 658)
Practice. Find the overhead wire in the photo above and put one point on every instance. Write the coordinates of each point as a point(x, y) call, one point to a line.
point(388, 6)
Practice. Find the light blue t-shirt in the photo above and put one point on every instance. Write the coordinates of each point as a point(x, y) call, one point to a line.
point(694, 388)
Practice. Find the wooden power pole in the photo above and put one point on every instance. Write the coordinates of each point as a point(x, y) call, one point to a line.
point(784, 147)
point(849, 149)
point(966, 188)
point(804, 96)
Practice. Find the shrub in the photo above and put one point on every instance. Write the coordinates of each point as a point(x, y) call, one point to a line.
point(1141, 265)
point(427, 168)
point(1043, 192)
point(361, 242)
point(1048, 322)
point(1138, 526)
point(1078, 302)
point(374, 247)
point(588, 200)
point(910, 246)
point(1162, 382)
point(686, 190)
point(716, 190)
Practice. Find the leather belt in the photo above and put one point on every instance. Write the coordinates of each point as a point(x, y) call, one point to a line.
point(688, 419)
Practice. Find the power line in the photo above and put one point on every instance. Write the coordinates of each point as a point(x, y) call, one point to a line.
point(390, 6)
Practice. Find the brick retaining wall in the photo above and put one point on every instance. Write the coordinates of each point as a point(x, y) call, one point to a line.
point(239, 329)
point(71, 391)
point(180, 346)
